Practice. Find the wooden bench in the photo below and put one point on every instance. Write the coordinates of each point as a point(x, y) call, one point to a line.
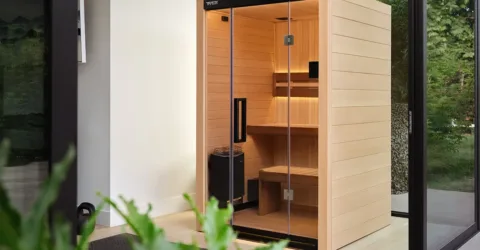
point(271, 179)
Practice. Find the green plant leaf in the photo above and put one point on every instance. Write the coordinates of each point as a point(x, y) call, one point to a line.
point(198, 215)
point(120, 212)
point(88, 228)
point(218, 233)
point(274, 246)
point(150, 236)
point(182, 246)
point(9, 217)
point(33, 225)
point(147, 230)
point(62, 233)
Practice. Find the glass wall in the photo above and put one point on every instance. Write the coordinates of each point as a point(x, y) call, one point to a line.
point(22, 109)
point(450, 120)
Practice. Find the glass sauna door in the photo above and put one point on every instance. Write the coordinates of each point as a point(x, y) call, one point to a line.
point(262, 125)
point(300, 99)
point(259, 129)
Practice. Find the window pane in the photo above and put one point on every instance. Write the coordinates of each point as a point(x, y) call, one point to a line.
point(22, 109)
point(450, 120)
point(399, 97)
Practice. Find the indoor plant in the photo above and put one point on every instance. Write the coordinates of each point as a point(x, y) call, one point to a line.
point(33, 232)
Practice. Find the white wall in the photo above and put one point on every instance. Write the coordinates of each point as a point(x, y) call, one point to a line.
point(94, 108)
point(152, 103)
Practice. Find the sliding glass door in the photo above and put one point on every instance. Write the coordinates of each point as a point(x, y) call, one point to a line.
point(450, 115)
point(444, 123)
point(23, 70)
point(38, 98)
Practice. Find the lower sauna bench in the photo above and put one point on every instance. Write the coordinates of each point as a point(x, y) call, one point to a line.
point(270, 185)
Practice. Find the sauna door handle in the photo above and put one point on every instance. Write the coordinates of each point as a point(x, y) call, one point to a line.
point(240, 126)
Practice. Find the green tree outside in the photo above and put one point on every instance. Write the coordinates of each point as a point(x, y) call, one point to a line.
point(450, 87)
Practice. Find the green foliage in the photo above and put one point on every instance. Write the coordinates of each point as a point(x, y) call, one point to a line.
point(151, 237)
point(219, 235)
point(450, 94)
point(33, 232)
point(10, 218)
point(399, 50)
point(22, 74)
point(450, 80)
point(451, 65)
point(453, 170)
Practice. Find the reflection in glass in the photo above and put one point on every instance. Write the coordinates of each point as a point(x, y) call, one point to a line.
point(399, 97)
point(22, 110)
point(450, 120)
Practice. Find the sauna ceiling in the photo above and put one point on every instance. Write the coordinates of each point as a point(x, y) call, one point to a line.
point(303, 9)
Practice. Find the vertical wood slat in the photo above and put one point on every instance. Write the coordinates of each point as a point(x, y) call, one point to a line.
point(324, 113)
point(201, 132)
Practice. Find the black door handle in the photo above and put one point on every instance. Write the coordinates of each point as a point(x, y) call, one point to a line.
point(236, 120)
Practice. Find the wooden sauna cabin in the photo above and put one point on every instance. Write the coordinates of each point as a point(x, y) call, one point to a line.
point(294, 116)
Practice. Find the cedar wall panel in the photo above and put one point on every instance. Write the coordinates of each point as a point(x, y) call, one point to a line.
point(305, 48)
point(253, 69)
point(360, 119)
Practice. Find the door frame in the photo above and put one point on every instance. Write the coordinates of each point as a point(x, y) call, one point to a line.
point(60, 95)
point(417, 129)
point(417, 121)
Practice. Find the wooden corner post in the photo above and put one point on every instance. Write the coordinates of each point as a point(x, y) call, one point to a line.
point(201, 160)
point(324, 96)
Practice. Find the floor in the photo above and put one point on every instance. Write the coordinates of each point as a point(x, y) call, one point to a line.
point(178, 227)
point(400, 203)
point(393, 237)
point(181, 227)
point(449, 214)
point(472, 244)
point(450, 208)
point(302, 223)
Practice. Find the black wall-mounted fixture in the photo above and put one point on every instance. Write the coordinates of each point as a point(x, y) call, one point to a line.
point(224, 18)
point(225, 4)
point(313, 70)
point(236, 120)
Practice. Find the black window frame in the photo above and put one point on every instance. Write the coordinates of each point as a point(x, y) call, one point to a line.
point(417, 132)
point(61, 98)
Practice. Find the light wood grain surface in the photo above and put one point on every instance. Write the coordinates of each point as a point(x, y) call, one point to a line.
point(361, 119)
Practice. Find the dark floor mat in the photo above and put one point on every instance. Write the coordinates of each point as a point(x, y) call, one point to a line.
point(117, 242)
